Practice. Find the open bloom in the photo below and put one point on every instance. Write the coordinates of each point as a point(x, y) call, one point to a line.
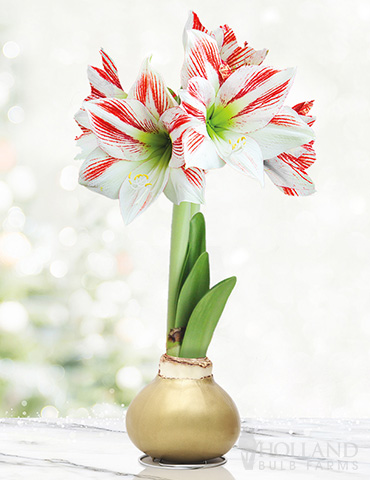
point(232, 55)
point(104, 83)
point(136, 160)
point(241, 120)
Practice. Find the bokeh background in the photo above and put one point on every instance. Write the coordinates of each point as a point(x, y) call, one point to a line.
point(83, 298)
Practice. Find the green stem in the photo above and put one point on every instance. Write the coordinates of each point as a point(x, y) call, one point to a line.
point(179, 240)
point(194, 208)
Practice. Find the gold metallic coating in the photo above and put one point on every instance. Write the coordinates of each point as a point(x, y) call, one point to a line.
point(183, 420)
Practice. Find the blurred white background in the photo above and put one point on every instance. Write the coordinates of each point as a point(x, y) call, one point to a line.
point(83, 298)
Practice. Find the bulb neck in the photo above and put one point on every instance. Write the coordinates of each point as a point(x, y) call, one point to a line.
point(181, 368)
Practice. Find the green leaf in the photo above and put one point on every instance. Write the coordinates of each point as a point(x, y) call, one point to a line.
point(195, 287)
point(203, 320)
point(196, 245)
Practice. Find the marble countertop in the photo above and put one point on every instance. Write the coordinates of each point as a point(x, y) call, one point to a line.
point(100, 449)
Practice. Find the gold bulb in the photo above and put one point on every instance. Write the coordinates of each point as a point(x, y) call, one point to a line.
point(181, 418)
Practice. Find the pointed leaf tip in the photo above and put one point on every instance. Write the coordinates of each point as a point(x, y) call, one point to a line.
point(203, 320)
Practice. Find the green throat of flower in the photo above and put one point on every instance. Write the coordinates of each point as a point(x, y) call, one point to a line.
point(153, 167)
point(161, 149)
point(216, 121)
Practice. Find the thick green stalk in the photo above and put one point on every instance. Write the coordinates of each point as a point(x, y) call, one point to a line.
point(179, 240)
point(194, 208)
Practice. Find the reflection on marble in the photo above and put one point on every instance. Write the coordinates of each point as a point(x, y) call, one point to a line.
point(100, 449)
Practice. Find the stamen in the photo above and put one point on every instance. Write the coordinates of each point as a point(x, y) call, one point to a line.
point(239, 143)
point(138, 180)
point(141, 175)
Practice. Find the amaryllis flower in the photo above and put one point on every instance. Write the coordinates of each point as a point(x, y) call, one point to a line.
point(232, 55)
point(288, 170)
point(136, 160)
point(104, 83)
point(241, 119)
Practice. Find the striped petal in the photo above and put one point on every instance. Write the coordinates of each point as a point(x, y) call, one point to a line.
point(230, 52)
point(151, 91)
point(190, 140)
point(287, 174)
point(88, 143)
point(125, 129)
point(303, 109)
point(252, 96)
point(285, 131)
point(142, 187)
point(193, 23)
point(82, 119)
point(202, 58)
point(104, 82)
point(198, 97)
point(306, 155)
point(176, 121)
point(241, 153)
point(199, 150)
point(185, 185)
point(234, 55)
point(104, 174)
point(193, 106)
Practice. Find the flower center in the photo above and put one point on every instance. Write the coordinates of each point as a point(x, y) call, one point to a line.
point(155, 164)
point(161, 150)
point(216, 122)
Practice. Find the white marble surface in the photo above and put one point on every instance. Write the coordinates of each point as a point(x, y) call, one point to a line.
point(100, 449)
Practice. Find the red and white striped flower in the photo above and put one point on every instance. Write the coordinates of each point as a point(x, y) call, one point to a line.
point(104, 83)
point(136, 160)
point(241, 120)
point(288, 170)
point(232, 55)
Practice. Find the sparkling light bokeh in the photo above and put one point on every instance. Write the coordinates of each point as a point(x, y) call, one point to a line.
point(83, 298)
